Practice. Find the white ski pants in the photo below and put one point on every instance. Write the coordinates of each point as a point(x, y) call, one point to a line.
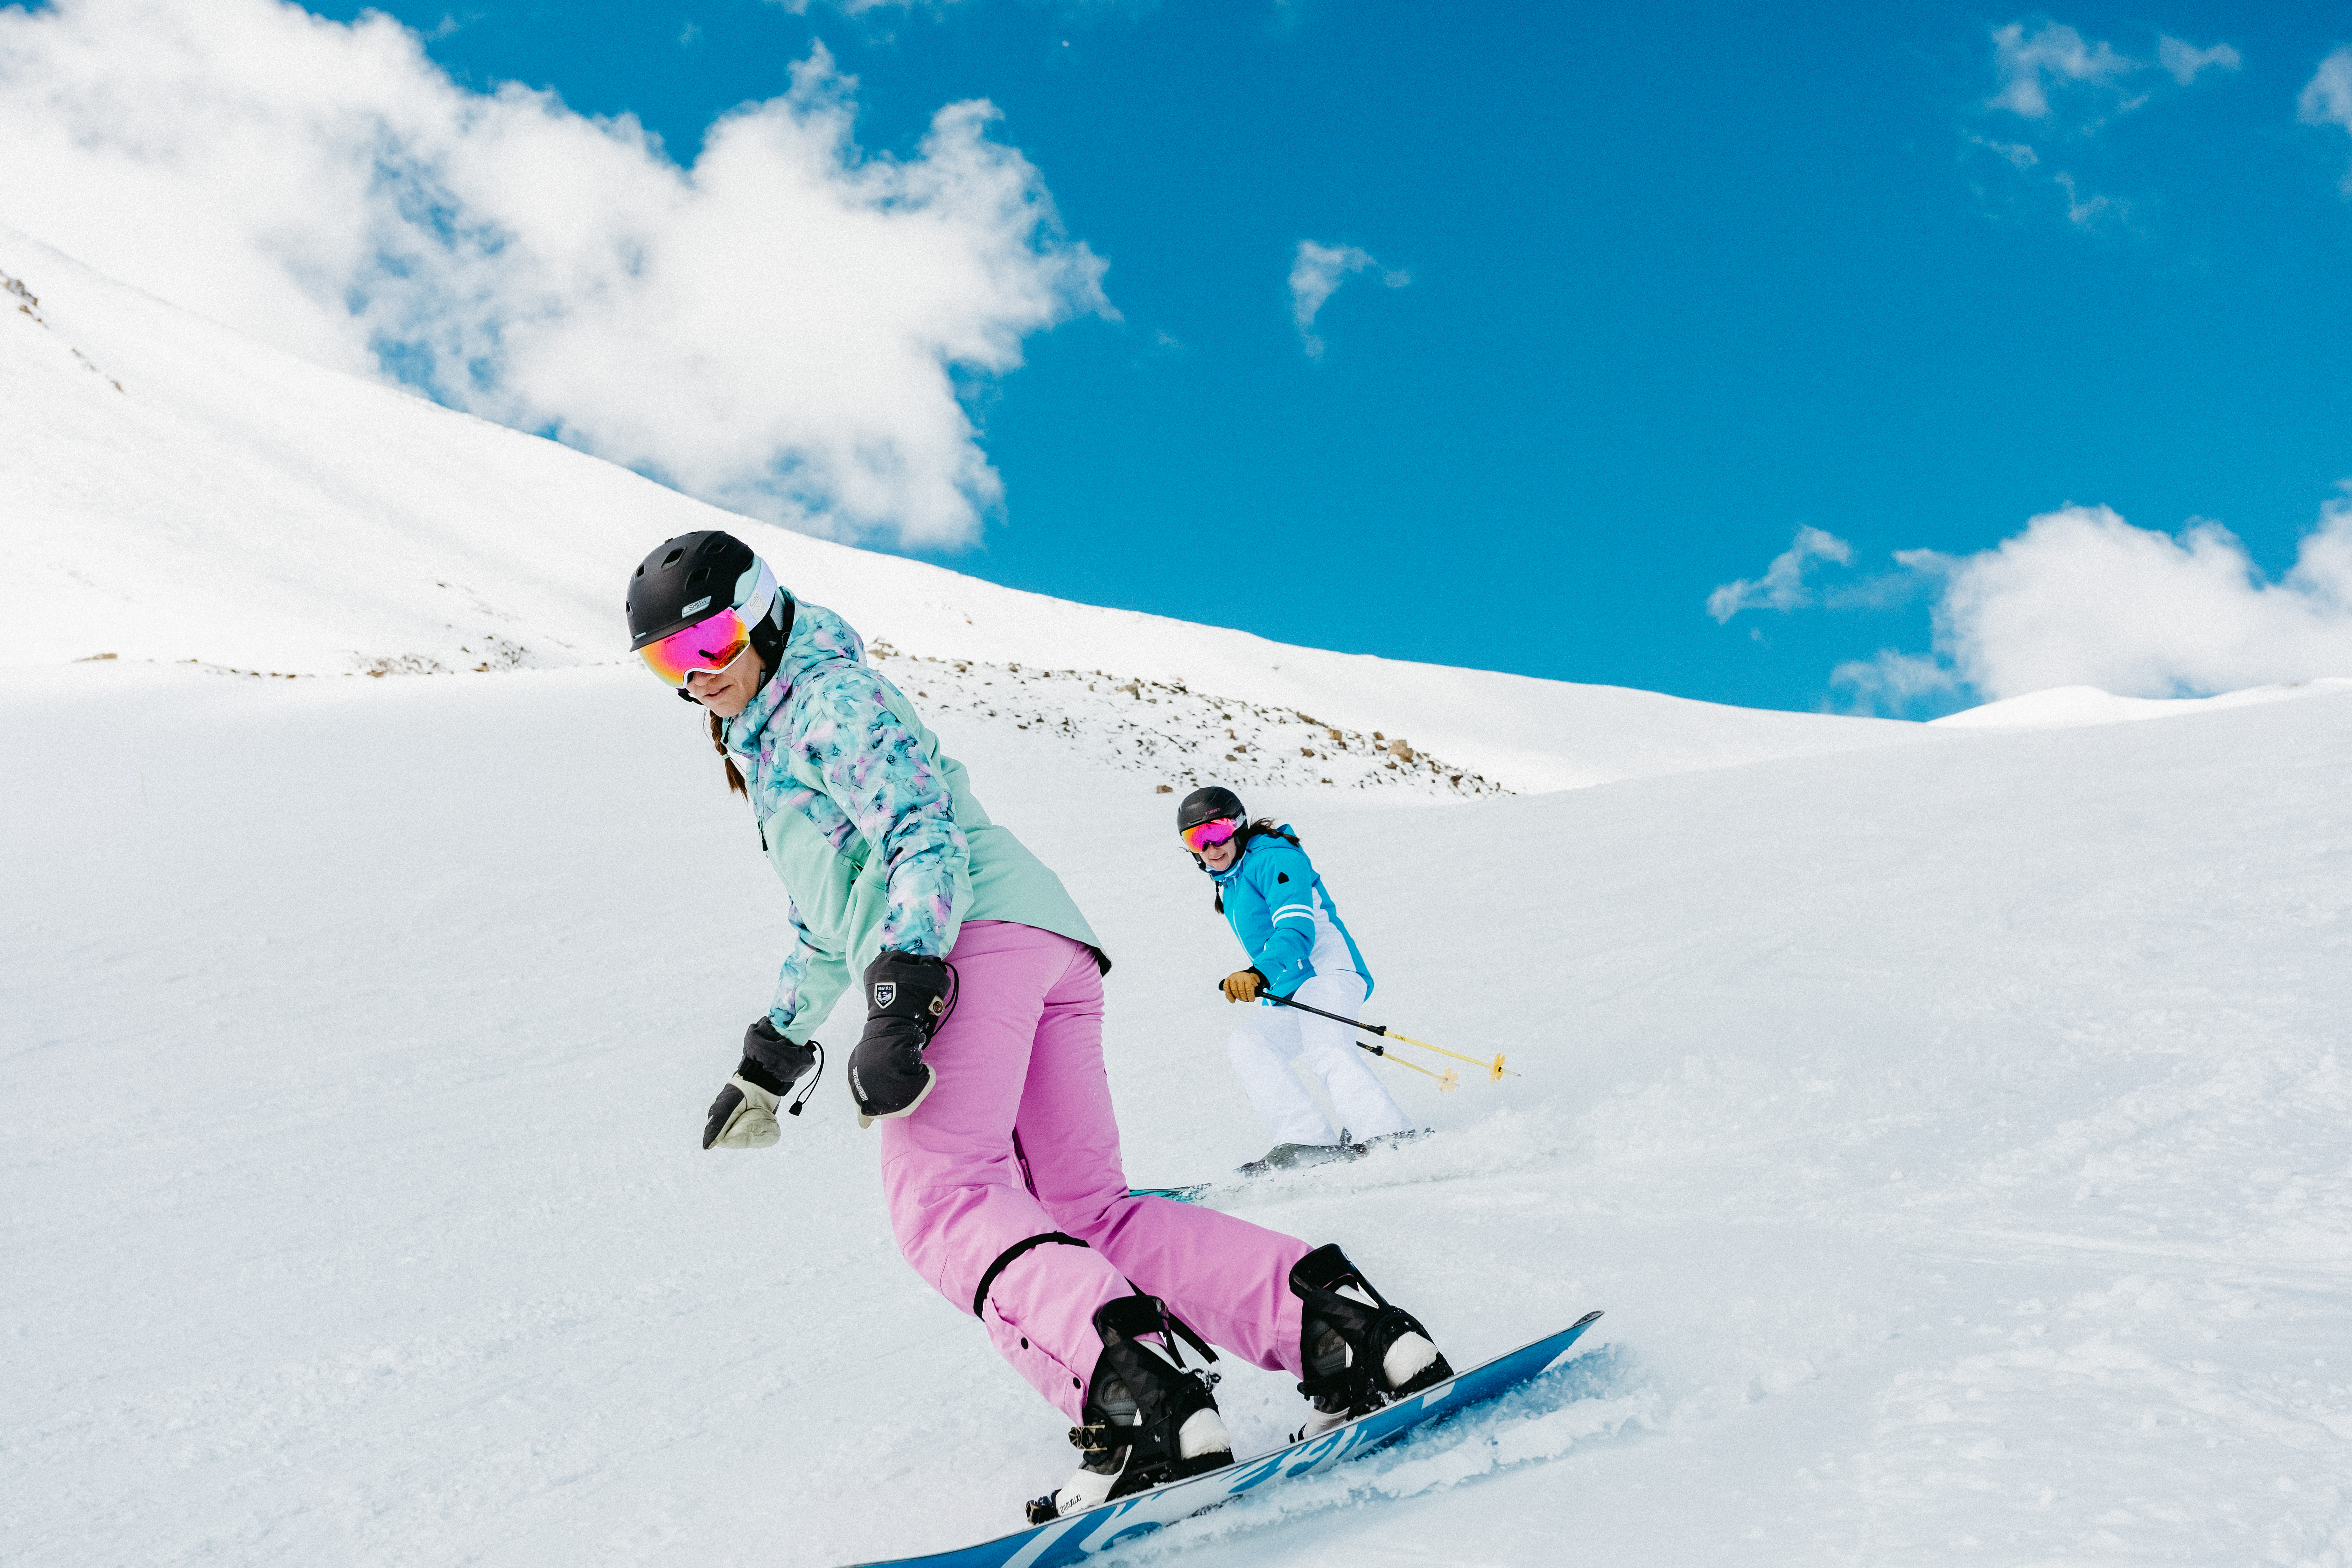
point(1270, 1038)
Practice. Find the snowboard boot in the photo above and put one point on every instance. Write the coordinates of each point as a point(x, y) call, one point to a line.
point(1149, 1419)
point(1298, 1156)
point(1360, 1353)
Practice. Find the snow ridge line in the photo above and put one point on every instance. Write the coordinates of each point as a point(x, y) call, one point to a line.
point(1184, 737)
point(29, 304)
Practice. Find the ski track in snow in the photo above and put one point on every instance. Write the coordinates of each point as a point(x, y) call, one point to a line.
point(1582, 1403)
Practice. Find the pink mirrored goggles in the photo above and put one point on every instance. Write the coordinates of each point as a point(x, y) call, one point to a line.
point(712, 643)
point(719, 638)
point(1200, 835)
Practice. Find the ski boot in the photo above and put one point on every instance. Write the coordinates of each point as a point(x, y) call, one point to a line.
point(1360, 1353)
point(1298, 1156)
point(1149, 1418)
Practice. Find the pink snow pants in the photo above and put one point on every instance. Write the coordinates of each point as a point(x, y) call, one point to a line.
point(1022, 1056)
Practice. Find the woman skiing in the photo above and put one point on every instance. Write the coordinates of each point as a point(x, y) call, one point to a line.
point(1269, 893)
point(981, 1053)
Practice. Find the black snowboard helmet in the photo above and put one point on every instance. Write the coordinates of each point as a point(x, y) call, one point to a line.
point(695, 575)
point(1208, 805)
point(1212, 803)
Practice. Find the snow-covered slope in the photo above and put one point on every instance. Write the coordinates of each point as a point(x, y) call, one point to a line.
point(170, 491)
point(2066, 705)
point(1955, 1135)
point(1955, 1132)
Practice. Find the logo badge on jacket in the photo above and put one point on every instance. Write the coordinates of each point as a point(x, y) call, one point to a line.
point(885, 993)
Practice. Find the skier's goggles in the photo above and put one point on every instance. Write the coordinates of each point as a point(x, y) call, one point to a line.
point(1201, 835)
point(712, 643)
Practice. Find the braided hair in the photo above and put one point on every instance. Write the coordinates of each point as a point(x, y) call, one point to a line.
point(719, 744)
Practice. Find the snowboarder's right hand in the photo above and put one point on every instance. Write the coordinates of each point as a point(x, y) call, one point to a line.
point(1243, 985)
point(744, 1114)
point(907, 997)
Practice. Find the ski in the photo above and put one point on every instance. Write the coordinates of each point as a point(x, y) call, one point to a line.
point(1081, 1535)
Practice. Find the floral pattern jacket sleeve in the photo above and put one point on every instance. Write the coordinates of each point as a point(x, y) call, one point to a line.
point(828, 716)
point(879, 785)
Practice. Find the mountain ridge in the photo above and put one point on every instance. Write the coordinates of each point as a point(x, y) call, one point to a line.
point(231, 504)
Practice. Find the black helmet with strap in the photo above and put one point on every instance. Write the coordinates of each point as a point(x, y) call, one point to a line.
point(684, 580)
point(697, 574)
point(1210, 803)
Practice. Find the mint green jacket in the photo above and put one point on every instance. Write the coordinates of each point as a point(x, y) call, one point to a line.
point(875, 830)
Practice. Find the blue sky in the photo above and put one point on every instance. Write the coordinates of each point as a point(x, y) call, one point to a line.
point(1681, 280)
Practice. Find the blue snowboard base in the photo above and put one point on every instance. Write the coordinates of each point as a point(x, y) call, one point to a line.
point(1083, 1535)
point(1190, 1195)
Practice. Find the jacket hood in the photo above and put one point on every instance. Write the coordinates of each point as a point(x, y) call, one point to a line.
point(821, 642)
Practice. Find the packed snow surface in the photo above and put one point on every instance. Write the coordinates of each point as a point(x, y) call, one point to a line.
point(1951, 1121)
point(1954, 1134)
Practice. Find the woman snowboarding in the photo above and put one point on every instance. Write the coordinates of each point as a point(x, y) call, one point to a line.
point(1269, 893)
point(982, 1055)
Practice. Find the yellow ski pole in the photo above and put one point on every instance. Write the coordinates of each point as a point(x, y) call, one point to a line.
point(1494, 1069)
point(1447, 1081)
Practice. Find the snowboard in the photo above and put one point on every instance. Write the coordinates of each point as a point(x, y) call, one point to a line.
point(1190, 1195)
point(1083, 1535)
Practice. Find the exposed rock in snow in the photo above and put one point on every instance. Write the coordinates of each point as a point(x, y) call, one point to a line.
point(1180, 738)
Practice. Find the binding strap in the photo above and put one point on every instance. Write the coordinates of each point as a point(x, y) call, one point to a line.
point(1004, 1260)
point(1143, 1313)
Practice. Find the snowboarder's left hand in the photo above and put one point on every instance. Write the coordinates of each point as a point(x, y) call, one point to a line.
point(744, 1114)
point(1243, 985)
point(907, 997)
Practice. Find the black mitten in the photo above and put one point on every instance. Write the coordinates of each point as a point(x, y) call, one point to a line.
point(744, 1114)
point(777, 1057)
point(907, 997)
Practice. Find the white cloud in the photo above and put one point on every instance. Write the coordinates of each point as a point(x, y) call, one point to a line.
point(2082, 597)
point(2018, 155)
point(855, 7)
point(2085, 210)
point(1895, 682)
point(778, 328)
point(2326, 98)
point(1782, 586)
point(2098, 83)
point(2185, 61)
point(1317, 271)
point(2029, 65)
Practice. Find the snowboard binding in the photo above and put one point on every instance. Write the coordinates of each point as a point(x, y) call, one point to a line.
point(1149, 1419)
point(1361, 1352)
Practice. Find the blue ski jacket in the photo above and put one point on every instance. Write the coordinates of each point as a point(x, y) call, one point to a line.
point(1281, 911)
